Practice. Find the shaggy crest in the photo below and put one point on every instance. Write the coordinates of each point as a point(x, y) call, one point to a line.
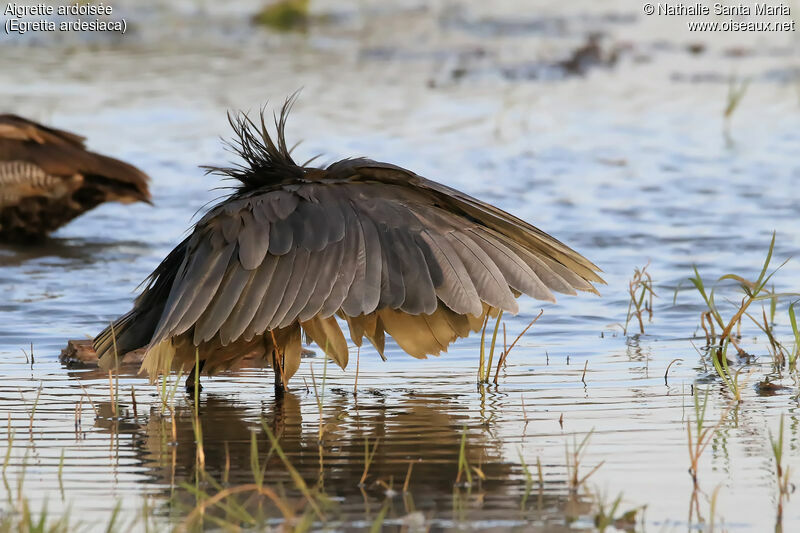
point(266, 161)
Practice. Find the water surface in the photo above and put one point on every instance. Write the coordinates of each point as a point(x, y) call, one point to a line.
point(627, 162)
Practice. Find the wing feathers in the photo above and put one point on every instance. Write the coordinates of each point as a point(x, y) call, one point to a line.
point(386, 257)
point(281, 237)
point(272, 297)
point(420, 294)
point(219, 310)
point(297, 289)
point(518, 274)
point(203, 269)
point(325, 332)
point(456, 290)
point(249, 302)
point(489, 282)
point(253, 240)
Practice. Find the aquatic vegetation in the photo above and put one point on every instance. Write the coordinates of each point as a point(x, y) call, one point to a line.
point(736, 90)
point(796, 350)
point(463, 463)
point(369, 456)
point(29, 521)
point(698, 441)
point(719, 358)
point(483, 374)
point(753, 291)
point(640, 290)
point(284, 15)
point(606, 515)
point(782, 472)
point(701, 437)
point(574, 457)
point(638, 175)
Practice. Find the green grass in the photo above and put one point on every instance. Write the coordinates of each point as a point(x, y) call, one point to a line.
point(796, 349)
point(782, 471)
point(717, 318)
point(736, 91)
point(484, 367)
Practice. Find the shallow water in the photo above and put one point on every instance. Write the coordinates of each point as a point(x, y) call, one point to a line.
point(627, 163)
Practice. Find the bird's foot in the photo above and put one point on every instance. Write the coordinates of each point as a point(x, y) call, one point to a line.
point(190, 385)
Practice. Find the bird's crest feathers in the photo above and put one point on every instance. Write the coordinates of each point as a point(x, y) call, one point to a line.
point(267, 160)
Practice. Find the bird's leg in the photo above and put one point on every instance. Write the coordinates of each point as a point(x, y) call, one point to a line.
point(277, 366)
point(189, 383)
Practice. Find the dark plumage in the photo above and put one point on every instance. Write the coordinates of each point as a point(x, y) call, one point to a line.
point(47, 178)
point(295, 247)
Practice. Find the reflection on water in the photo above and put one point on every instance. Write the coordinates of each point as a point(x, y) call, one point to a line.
point(419, 438)
point(630, 161)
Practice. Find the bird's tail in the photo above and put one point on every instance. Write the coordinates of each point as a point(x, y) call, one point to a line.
point(108, 343)
point(129, 332)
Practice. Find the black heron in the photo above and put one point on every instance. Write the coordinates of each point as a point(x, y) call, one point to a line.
point(47, 178)
point(293, 248)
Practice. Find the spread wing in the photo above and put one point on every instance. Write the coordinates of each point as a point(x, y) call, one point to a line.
point(373, 243)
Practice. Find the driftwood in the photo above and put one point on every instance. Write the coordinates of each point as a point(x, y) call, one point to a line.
point(81, 354)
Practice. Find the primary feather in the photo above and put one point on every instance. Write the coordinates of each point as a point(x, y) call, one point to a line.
point(295, 247)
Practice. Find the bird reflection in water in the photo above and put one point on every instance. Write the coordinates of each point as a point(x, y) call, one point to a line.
point(420, 434)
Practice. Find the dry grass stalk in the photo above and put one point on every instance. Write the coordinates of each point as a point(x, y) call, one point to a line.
point(33, 411)
point(482, 360)
point(358, 360)
point(666, 372)
point(408, 477)
point(506, 351)
point(640, 289)
point(782, 471)
point(111, 393)
point(91, 402)
point(368, 456)
point(702, 437)
point(200, 509)
point(491, 350)
point(573, 463)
